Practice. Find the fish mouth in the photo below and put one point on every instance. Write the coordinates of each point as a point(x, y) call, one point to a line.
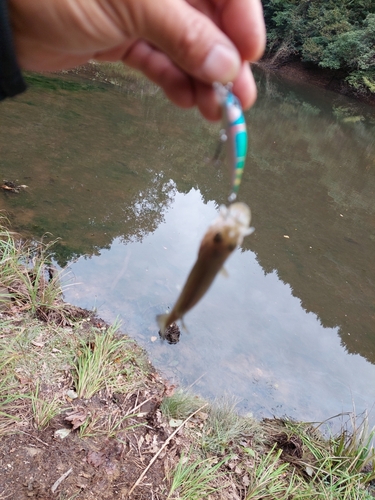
point(239, 213)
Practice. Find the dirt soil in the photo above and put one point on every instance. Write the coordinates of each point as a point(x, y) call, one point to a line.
point(95, 448)
point(99, 467)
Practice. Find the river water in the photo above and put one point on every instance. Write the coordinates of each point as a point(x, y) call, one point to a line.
point(127, 182)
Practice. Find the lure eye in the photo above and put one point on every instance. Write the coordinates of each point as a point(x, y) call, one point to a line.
point(218, 238)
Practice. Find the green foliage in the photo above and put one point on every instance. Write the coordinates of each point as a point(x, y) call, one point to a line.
point(43, 410)
point(225, 427)
point(194, 480)
point(266, 479)
point(98, 366)
point(56, 84)
point(180, 405)
point(333, 34)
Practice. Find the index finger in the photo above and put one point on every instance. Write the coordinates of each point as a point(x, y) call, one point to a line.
point(242, 21)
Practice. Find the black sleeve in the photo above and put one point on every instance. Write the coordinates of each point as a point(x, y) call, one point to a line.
point(11, 81)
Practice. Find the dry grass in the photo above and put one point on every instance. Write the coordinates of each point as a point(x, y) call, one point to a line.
point(29, 282)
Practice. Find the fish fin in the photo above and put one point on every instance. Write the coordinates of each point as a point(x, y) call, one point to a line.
point(249, 231)
point(184, 325)
point(161, 320)
point(223, 211)
point(224, 272)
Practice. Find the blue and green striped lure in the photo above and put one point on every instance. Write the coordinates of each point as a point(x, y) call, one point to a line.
point(235, 133)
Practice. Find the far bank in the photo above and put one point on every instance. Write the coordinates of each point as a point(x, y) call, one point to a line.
point(297, 71)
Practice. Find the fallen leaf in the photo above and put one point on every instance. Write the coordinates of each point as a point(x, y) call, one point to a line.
point(249, 451)
point(23, 380)
point(71, 394)
point(309, 471)
point(32, 452)
point(95, 458)
point(37, 344)
point(62, 433)
point(175, 422)
point(202, 415)
point(76, 418)
point(81, 485)
point(169, 390)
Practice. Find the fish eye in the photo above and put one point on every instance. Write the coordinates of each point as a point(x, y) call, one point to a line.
point(231, 247)
point(218, 238)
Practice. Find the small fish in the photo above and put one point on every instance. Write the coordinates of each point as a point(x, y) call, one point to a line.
point(235, 132)
point(221, 238)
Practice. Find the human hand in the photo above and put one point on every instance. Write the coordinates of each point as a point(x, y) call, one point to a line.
point(183, 46)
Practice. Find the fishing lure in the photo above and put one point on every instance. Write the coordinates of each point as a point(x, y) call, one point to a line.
point(235, 132)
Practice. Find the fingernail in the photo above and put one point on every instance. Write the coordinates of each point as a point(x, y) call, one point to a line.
point(222, 64)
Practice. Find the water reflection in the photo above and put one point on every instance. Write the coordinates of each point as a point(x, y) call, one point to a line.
point(125, 180)
point(249, 336)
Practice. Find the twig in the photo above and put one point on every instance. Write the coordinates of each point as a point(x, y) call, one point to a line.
point(197, 380)
point(161, 449)
point(60, 480)
point(34, 437)
point(3, 498)
point(138, 406)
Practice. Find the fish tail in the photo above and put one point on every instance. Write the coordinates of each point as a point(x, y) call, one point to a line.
point(161, 320)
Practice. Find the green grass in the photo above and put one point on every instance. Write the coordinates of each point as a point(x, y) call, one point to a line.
point(355, 447)
point(195, 479)
point(100, 364)
point(43, 410)
point(225, 427)
point(10, 402)
point(28, 280)
point(10, 398)
point(108, 424)
point(268, 478)
point(180, 405)
point(340, 468)
point(45, 82)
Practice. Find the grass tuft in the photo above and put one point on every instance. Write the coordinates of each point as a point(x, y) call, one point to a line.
point(100, 363)
point(43, 410)
point(225, 427)
point(355, 448)
point(9, 396)
point(28, 280)
point(180, 405)
point(195, 480)
point(268, 479)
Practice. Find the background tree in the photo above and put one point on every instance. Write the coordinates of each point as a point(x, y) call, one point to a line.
point(334, 34)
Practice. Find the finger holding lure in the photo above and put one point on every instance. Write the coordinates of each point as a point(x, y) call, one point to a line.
point(235, 133)
point(222, 237)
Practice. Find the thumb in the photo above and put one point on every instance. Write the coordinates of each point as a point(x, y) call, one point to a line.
point(187, 36)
